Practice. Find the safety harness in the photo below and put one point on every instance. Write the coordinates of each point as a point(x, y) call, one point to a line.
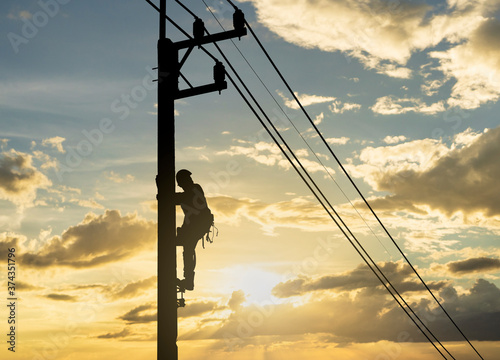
point(213, 229)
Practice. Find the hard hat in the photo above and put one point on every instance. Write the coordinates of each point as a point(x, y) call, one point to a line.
point(183, 174)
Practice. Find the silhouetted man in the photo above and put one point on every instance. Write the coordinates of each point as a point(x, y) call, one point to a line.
point(197, 222)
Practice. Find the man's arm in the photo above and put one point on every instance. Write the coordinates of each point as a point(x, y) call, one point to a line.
point(178, 197)
point(199, 200)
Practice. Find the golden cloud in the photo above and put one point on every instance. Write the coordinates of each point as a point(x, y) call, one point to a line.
point(97, 240)
point(475, 65)
point(140, 314)
point(361, 277)
point(460, 178)
point(367, 315)
point(134, 288)
point(299, 213)
point(383, 35)
point(19, 179)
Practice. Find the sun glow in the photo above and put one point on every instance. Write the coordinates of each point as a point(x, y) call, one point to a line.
point(255, 282)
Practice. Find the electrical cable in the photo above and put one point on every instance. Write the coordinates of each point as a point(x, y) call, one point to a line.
point(338, 216)
point(335, 221)
point(357, 189)
point(338, 225)
point(298, 132)
point(315, 194)
point(332, 208)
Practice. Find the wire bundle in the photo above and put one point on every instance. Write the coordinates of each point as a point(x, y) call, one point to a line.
point(312, 185)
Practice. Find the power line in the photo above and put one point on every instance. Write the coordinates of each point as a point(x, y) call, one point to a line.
point(324, 197)
point(321, 202)
point(315, 194)
point(356, 187)
point(345, 234)
point(298, 132)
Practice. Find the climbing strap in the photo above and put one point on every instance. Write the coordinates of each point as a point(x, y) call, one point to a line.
point(215, 232)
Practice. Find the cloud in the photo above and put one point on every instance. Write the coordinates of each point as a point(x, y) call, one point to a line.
point(269, 154)
point(55, 142)
point(474, 265)
point(337, 107)
point(19, 179)
point(298, 213)
point(97, 240)
point(147, 313)
point(475, 65)
point(8, 241)
point(24, 286)
point(197, 308)
point(132, 289)
point(362, 316)
point(117, 335)
point(389, 105)
point(394, 139)
point(140, 314)
point(382, 34)
point(359, 278)
point(460, 178)
point(347, 26)
point(305, 100)
point(431, 87)
point(262, 152)
point(237, 299)
point(47, 161)
point(61, 297)
point(23, 14)
point(319, 119)
point(90, 203)
point(117, 178)
point(338, 141)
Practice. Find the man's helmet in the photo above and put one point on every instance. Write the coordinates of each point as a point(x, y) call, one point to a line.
point(183, 174)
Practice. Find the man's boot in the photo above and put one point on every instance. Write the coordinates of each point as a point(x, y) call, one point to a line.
point(181, 285)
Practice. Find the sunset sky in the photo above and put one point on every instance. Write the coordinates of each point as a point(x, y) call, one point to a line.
point(406, 94)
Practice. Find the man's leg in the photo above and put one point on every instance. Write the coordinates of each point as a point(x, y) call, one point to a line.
point(189, 257)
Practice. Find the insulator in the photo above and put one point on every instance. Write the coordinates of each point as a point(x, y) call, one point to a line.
point(219, 72)
point(238, 20)
point(181, 303)
point(198, 29)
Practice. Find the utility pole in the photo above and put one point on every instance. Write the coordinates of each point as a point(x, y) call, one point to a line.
point(168, 91)
point(167, 254)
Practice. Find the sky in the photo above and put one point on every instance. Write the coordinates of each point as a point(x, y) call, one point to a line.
point(405, 93)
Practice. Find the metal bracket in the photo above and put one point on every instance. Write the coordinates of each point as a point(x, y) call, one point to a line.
point(181, 302)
